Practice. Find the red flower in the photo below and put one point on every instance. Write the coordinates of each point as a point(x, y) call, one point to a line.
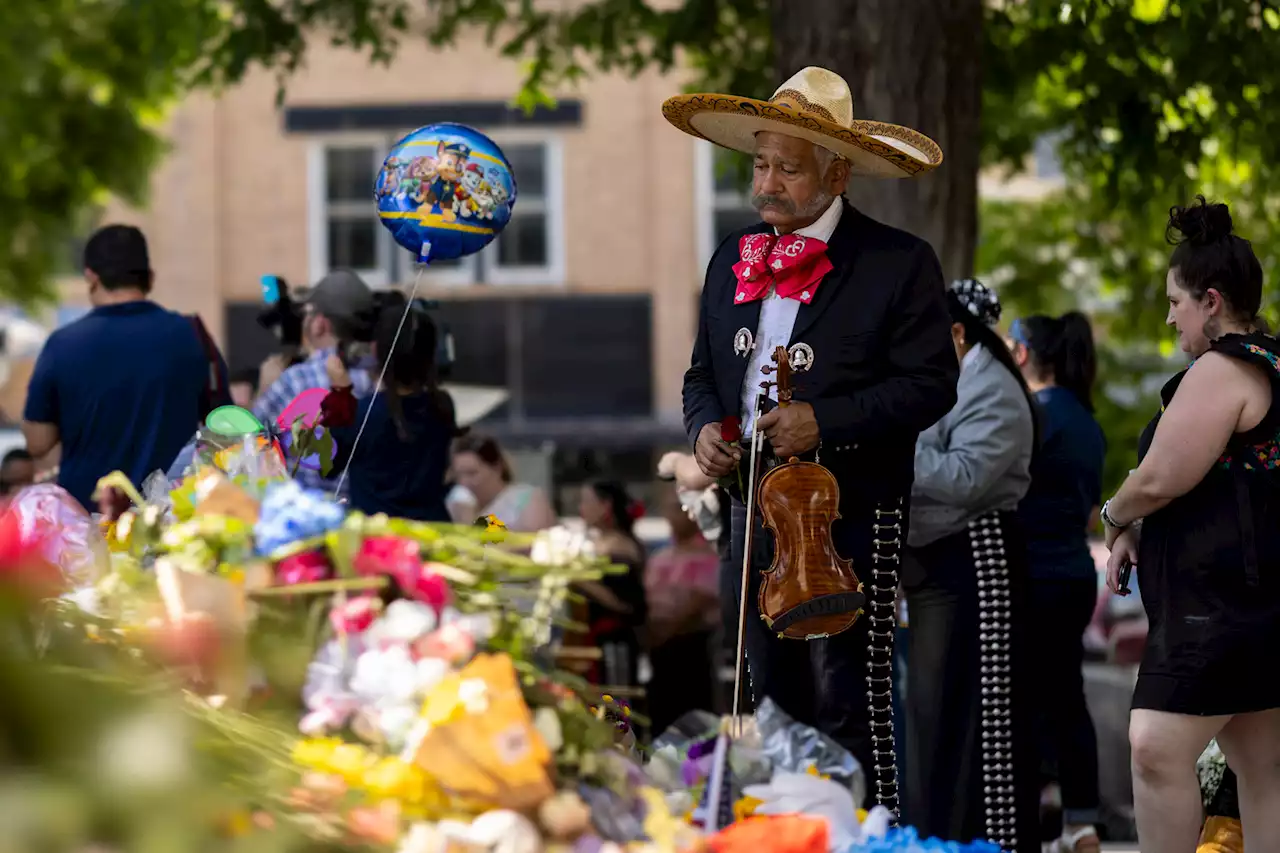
point(356, 615)
point(426, 586)
point(307, 567)
point(387, 555)
point(338, 408)
point(731, 430)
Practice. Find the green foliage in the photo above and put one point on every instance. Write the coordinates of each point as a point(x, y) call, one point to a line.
point(1153, 102)
point(84, 87)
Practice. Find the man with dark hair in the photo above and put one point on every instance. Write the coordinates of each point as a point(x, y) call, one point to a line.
point(17, 471)
point(124, 386)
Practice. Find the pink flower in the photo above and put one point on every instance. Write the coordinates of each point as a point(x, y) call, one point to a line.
point(401, 559)
point(426, 586)
point(387, 555)
point(449, 643)
point(356, 615)
point(308, 567)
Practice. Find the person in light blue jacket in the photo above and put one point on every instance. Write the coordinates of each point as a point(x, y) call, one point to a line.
point(970, 763)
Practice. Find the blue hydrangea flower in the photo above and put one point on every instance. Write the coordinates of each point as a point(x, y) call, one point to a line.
point(907, 840)
point(291, 512)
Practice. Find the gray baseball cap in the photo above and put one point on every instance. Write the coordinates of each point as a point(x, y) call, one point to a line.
point(342, 296)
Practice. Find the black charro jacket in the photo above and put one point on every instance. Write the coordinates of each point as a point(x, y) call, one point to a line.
point(884, 366)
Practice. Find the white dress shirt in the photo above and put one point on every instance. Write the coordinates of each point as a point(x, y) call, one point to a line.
point(777, 320)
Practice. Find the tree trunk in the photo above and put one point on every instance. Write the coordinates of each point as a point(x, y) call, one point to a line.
point(910, 62)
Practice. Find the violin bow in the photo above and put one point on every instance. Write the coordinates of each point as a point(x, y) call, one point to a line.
point(783, 368)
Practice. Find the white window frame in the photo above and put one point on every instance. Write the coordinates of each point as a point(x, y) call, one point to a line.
point(552, 206)
point(707, 200)
point(318, 207)
point(396, 266)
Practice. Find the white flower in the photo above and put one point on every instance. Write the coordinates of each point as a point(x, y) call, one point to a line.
point(423, 838)
point(560, 545)
point(473, 695)
point(505, 832)
point(403, 622)
point(547, 723)
point(389, 674)
point(330, 670)
point(396, 721)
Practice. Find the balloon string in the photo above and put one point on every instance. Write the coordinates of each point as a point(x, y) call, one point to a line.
point(386, 362)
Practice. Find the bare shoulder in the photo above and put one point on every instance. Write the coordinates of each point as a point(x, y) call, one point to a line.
point(1224, 382)
point(1223, 373)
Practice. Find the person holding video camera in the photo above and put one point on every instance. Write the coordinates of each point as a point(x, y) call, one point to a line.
point(337, 313)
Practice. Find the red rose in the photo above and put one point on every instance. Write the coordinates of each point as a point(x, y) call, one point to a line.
point(731, 430)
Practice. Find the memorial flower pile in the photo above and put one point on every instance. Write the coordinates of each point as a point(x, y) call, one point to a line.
point(345, 682)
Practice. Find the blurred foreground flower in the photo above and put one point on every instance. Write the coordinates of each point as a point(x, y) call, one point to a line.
point(23, 566)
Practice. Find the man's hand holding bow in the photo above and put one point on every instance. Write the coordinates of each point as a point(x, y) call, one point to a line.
point(791, 429)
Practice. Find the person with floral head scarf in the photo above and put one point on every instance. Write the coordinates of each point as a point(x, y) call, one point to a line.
point(970, 767)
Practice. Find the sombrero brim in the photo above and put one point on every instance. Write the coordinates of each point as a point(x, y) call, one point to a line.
point(874, 149)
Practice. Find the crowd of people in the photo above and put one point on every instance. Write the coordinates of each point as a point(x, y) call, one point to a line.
point(969, 463)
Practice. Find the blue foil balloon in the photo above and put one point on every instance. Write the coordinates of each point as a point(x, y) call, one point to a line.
point(445, 191)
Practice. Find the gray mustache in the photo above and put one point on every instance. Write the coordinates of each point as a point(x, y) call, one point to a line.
point(780, 202)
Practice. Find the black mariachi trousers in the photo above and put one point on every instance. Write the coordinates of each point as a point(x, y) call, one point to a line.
point(831, 683)
point(972, 756)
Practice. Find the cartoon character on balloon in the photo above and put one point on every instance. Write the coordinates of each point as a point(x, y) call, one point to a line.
point(445, 191)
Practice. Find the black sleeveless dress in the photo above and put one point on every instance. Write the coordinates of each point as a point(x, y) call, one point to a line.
point(1209, 569)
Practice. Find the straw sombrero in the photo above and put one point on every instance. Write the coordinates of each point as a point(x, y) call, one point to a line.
point(816, 105)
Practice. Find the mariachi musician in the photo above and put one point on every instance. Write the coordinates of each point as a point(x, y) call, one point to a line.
point(860, 309)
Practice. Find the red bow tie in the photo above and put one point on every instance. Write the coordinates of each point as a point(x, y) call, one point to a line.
point(793, 265)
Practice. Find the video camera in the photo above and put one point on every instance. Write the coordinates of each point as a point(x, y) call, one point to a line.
point(283, 317)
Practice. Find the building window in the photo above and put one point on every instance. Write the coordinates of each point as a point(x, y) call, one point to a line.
point(345, 231)
point(722, 179)
point(352, 234)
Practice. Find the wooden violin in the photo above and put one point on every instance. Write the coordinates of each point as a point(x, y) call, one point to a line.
point(809, 591)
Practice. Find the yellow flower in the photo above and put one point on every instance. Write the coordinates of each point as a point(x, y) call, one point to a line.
point(661, 827)
point(239, 824)
point(314, 753)
point(812, 770)
point(351, 762)
point(745, 808)
point(862, 815)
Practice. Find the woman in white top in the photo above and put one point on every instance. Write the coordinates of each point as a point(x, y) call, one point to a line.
point(484, 487)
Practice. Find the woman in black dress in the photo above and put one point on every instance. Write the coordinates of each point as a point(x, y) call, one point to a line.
point(1199, 519)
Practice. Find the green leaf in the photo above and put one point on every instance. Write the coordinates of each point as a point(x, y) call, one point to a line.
point(1149, 11)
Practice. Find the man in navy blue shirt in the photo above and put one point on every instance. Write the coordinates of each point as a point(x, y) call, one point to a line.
point(123, 387)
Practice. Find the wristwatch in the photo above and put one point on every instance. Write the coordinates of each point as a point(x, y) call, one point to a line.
point(1105, 514)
